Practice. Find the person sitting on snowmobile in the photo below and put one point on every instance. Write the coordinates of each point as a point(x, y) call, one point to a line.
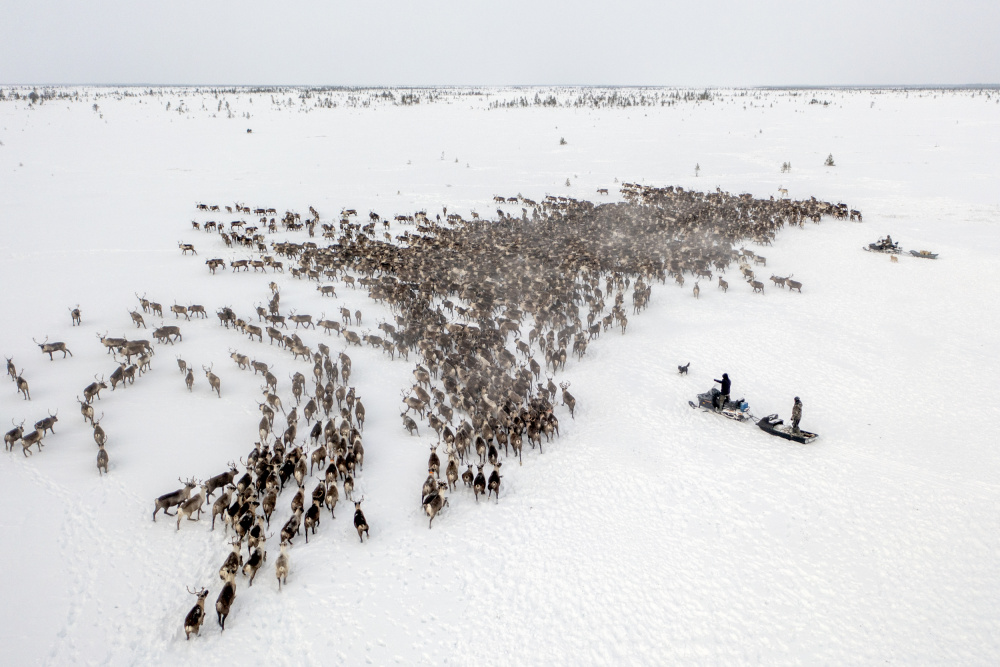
point(723, 392)
point(796, 415)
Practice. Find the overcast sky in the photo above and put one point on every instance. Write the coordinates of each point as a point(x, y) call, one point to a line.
point(513, 42)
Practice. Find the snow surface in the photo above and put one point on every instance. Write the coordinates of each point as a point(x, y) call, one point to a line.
point(648, 532)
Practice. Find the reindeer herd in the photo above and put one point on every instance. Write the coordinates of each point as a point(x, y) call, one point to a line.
point(487, 307)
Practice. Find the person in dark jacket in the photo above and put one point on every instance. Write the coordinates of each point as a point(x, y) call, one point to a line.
point(723, 392)
point(796, 415)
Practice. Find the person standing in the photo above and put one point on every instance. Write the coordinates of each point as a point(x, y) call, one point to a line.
point(796, 415)
point(723, 392)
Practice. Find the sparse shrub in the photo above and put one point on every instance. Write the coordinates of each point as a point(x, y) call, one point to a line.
point(562, 141)
point(829, 161)
point(697, 169)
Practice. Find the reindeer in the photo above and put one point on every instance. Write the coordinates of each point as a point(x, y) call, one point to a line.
point(186, 248)
point(12, 436)
point(697, 290)
point(479, 484)
point(567, 399)
point(433, 502)
point(195, 617)
point(74, 314)
point(281, 565)
point(100, 437)
point(272, 401)
point(94, 389)
point(137, 319)
point(166, 334)
point(233, 562)
point(494, 482)
point(242, 360)
point(29, 439)
point(22, 386)
point(190, 506)
point(434, 462)
point(179, 310)
point(221, 503)
point(793, 284)
point(225, 600)
point(304, 320)
point(48, 348)
point(757, 286)
point(48, 424)
point(111, 344)
point(312, 517)
point(213, 380)
point(189, 379)
point(102, 460)
point(168, 500)
point(254, 563)
point(414, 404)
point(221, 480)
point(360, 523)
point(778, 281)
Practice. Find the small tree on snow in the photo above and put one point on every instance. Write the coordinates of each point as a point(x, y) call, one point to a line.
point(829, 161)
point(697, 169)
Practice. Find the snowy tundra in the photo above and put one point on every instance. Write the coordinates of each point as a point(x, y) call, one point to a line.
point(648, 532)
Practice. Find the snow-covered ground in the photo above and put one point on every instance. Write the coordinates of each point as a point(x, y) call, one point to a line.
point(648, 532)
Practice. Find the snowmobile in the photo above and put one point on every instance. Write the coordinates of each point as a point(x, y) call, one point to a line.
point(926, 254)
point(774, 426)
point(738, 410)
point(882, 246)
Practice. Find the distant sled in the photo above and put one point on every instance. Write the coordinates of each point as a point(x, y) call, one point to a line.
point(737, 410)
point(774, 426)
point(926, 254)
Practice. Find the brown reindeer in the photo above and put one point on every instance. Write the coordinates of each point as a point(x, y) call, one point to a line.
point(48, 348)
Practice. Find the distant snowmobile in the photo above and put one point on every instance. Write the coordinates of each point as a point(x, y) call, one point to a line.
point(774, 426)
point(738, 410)
point(882, 246)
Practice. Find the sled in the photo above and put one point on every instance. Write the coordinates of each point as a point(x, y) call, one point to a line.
point(737, 410)
point(774, 426)
point(926, 254)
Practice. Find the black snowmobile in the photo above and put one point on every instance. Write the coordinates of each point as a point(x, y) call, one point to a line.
point(774, 426)
point(738, 410)
point(882, 246)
